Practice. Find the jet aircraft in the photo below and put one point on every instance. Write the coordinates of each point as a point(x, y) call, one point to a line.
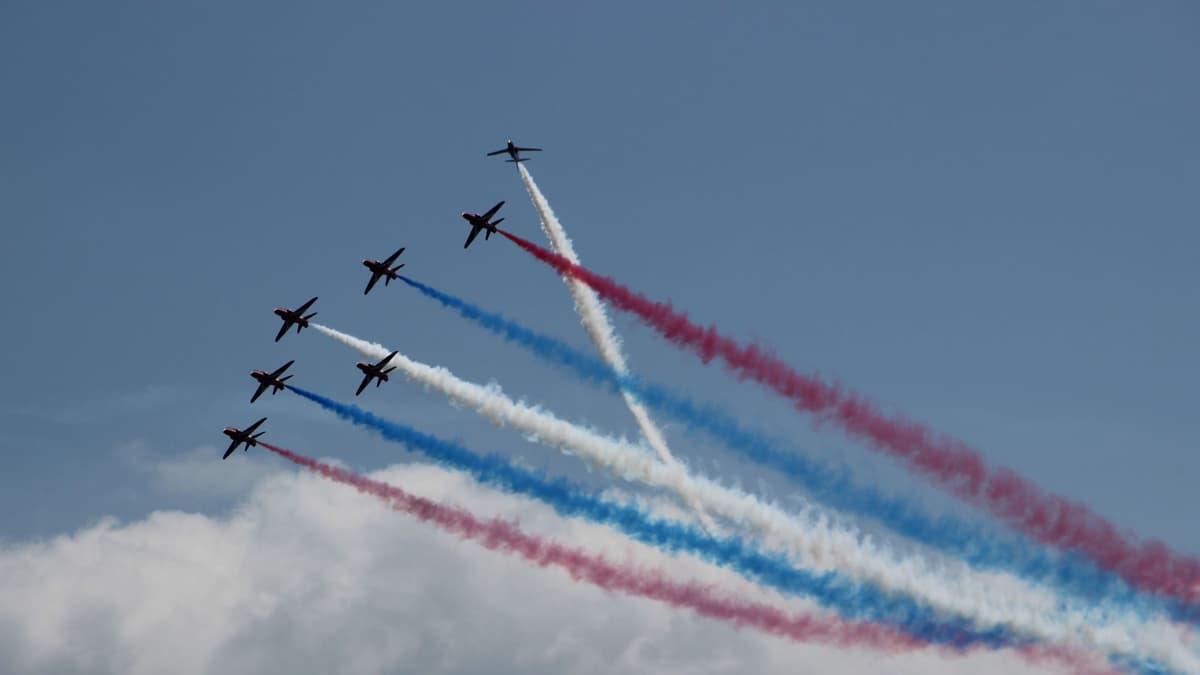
point(239, 436)
point(270, 380)
point(382, 269)
point(294, 317)
point(377, 371)
point(514, 152)
point(480, 223)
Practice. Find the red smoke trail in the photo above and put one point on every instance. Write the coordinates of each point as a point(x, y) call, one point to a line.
point(950, 463)
point(505, 536)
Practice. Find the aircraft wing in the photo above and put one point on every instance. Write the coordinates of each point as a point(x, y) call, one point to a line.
point(392, 258)
point(232, 447)
point(262, 386)
point(492, 211)
point(365, 382)
point(471, 237)
point(385, 360)
point(280, 369)
point(498, 152)
point(250, 429)
point(284, 329)
point(371, 284)
point(302, 308)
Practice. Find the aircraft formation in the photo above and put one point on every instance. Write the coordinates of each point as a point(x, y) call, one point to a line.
point(1001, 605)
point(385, 269)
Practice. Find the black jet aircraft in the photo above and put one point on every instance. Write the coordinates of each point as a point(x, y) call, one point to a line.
point(294, 317)
point(270, 380)
point(377, 371)
point(480, 223)
point(382, 269)
point(514, 152)
point(240, 436)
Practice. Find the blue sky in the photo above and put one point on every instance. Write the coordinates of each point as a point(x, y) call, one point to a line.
point(983, 217)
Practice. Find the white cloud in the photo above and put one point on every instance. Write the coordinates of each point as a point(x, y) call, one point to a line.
point(306, 576)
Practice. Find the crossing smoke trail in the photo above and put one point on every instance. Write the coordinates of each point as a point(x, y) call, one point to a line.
point(863, 601)
point(599, 328)
point(813, 539)
point(950, 463)
point(977, 547)
point(592, 315)
point(504, 536)
point(856, 601)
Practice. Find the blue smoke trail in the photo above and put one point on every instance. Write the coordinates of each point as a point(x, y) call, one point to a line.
point(1069, 572)
point(850, 599)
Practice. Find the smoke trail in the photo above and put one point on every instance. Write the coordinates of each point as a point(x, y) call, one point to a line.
point(855, 601)
point(950, 463)
point(864, 601)
point(978, 547)
point(599, 328)
point(507, 537)
point(817, 542)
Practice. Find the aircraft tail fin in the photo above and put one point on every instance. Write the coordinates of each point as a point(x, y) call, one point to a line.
point(306, 318)
point(285, 379)
point(517, 161)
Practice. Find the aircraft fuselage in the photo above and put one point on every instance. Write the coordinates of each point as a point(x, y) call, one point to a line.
point(265, 378)
point(372, 370)
point(291, 316)
point(478, 221)
point(377, 267)
point(240, 436)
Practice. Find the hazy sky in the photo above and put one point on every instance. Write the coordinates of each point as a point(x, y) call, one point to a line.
point(983, 217)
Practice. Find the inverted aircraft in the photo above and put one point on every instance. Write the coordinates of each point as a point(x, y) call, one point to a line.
point(239, 436)
point(514, 152)
point(382, 269)
point(480, 223)
point(270, 380)
point(374, 371)
point(294, 317)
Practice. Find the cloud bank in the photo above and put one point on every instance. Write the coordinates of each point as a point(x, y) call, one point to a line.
point(305, 576)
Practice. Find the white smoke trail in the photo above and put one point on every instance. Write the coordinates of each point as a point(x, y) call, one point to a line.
point(813, 539)
point(592, 315)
